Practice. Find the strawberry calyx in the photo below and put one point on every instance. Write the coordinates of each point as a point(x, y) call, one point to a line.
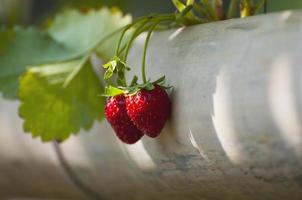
point(134, 88)
point(118, 67)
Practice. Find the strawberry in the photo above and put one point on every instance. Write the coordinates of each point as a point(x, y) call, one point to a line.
point(148, 105)
point(149, 109)
point(116, 115)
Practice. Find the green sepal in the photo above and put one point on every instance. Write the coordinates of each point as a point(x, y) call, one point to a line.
point(111, 91)
point(115, 66)
point(110, 64)
point(149, 86)
point(134, 87)
point(138, 87)
point(166, 87)
point(110, 68)
point(108, 74)
point(160, 80)
point(161, 83)
point(134, 81)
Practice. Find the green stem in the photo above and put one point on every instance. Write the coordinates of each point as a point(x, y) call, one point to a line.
point(141, 24)
point(233, 9)
point(138, 30)
point(209, 7)
point(201, 10)
point(121, 38)
point(259, 5)
point(246, 8)
point(141, 29)
point(190, 2)
point(121, 50)
point(146, 46)
point(125, 29)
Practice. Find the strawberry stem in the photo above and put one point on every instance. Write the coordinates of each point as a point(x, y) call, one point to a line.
point(141, 28)
point(147, 42)
point(138, 30)
point(121, 38)
point(233, 9)
point(125, 29)
point(145, 50)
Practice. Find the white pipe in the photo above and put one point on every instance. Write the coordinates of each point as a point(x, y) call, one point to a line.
point(235, 132)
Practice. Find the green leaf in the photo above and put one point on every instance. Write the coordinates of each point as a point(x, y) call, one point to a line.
point(83, 30)
point(20, 47)
point(71, 34)
point(190, 2)
point(53, 112)
point(149, 86)
point(179, 5)
point(9, 86)
point(113, 91)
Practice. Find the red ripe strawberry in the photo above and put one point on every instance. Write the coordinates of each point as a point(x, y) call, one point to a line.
point(149, 110)
point(116, 114)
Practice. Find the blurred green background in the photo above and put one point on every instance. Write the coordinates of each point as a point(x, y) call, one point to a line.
point(34, 11)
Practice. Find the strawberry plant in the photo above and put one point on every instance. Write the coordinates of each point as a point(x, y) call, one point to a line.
point(49, 69)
